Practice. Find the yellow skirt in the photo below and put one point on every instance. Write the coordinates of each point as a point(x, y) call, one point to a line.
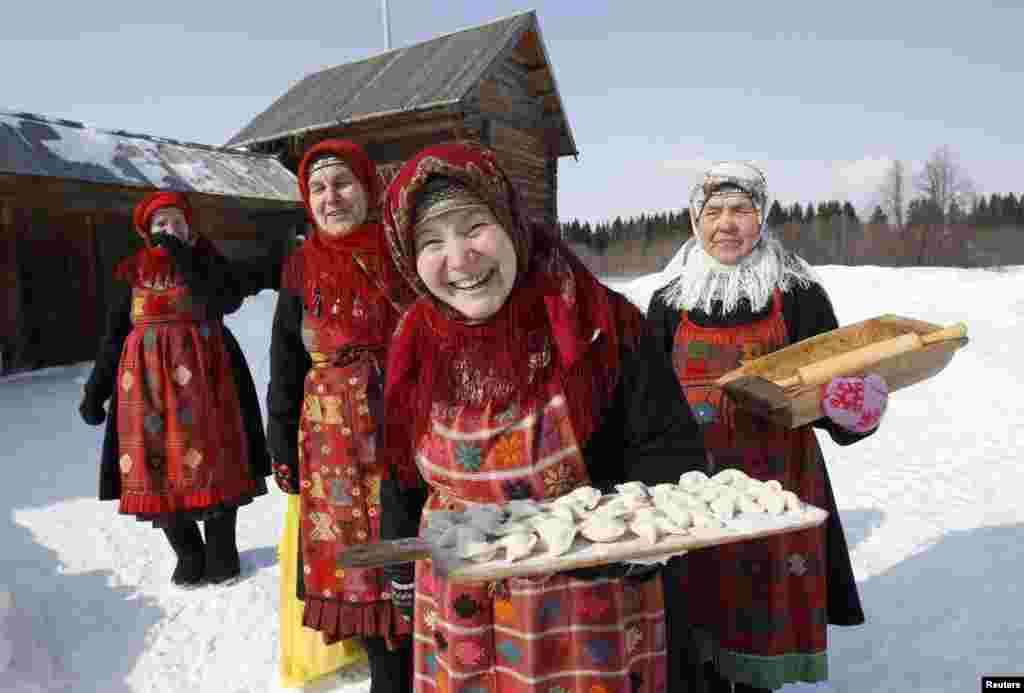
point(304, 657)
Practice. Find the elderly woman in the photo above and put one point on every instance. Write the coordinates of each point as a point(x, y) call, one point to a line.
point(184, 441)
point(339, 302)
point(517, 375)
point(737, 295)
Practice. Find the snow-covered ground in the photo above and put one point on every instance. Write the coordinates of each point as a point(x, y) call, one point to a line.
point(931, 504)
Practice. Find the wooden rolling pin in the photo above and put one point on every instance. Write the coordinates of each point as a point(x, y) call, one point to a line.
point(858, 359)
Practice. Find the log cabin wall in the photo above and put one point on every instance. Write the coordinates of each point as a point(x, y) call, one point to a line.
point(60, 241)
point(513, 106)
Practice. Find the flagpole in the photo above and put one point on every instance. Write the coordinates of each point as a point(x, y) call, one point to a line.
point(387, 24)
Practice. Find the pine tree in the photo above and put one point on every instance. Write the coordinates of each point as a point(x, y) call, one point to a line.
point(776, 216)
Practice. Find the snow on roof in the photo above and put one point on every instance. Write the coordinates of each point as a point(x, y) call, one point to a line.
point(35, 145)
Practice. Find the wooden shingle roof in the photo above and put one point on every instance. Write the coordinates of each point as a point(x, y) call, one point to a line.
point(436, 73)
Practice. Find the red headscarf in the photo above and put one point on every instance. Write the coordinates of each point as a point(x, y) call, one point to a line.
point(153, 264)
point(143, 214)
point(333, 269)
point(555, 301)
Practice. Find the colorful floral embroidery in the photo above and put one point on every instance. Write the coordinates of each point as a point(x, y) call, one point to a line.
point(468, 456)
point(508, 651)
point(599, 650)
point(509, 450)
point(465, 607)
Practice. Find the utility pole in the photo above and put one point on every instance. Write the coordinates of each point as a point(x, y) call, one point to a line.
point(387, 24)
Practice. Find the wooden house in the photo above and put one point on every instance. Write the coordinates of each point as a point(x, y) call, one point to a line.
point(491, 84)
point(66, 198)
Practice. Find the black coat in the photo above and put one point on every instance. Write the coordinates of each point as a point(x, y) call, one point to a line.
point(212, 281)
point(289, 364)
point(807, 312)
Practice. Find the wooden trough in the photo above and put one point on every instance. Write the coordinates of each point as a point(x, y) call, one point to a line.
point(785, 386)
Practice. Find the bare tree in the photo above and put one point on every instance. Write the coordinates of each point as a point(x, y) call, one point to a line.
point(893, 193)
point(943, 182)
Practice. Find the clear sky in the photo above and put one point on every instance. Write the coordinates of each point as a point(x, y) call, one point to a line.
point(823, 94)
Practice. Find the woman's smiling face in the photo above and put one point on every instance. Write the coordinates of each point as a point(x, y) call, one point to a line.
point(467, 260)
point(338, 199)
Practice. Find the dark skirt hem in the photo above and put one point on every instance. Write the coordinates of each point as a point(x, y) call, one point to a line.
point(339, 621)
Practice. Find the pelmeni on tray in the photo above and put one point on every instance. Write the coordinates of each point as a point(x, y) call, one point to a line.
point(556, 535)
point(518, 545)
point(603, 529)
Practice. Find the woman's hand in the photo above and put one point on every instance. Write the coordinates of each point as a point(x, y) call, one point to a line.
point(285, 478)
point(855, 403)
point(91, 411)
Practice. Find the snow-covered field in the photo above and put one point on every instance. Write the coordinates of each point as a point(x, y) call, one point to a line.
point(932, 505)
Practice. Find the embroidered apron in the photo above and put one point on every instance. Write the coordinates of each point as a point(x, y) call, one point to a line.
point(179, 423)
point(759, 605)
point(340, 487)
point(553, 634)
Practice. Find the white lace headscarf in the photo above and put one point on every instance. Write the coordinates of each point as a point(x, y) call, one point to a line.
point(698, 279)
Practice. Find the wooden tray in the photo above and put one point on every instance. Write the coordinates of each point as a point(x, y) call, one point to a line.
point(804, 403)
point(585, 554)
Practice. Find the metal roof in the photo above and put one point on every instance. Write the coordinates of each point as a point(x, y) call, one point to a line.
point(435, 73)
point(34, 145)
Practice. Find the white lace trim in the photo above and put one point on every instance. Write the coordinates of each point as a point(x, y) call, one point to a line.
point(700, 280)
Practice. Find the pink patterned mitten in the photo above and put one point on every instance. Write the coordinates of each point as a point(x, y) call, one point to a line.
point(855, 403)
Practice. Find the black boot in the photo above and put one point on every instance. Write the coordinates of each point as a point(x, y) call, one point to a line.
point(222, 562)
point(390, 670)
point(187, 543)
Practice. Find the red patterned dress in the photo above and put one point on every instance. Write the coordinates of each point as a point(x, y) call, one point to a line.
point(765, 605)
point(551, 634)
point(183, 444)
point(338, 465)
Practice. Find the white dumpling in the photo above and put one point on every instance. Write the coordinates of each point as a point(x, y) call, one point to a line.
point(518, 545)
point(729, 476)
point(567, 513)
point(518, 509)
point(587, 496)
point(617, 507)
point(774, 503)
point(459, 534)
point(693, 478)
point(748, 504)
point(556, 535)
point(753, 487)
point(793, 502)
point(632, 488)
point(603, 529)
point(725, 506)
point(774, 485)
point(711, 491)
point(644, 511)
point(703, 520)
point(680, 516)
point(667, 526)
point(645, 529)
point(477, 551)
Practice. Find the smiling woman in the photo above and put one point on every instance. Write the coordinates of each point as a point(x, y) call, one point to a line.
point(517, 375)
point(463, 255)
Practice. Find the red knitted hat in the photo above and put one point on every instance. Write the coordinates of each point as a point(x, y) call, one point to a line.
point(157, 200)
